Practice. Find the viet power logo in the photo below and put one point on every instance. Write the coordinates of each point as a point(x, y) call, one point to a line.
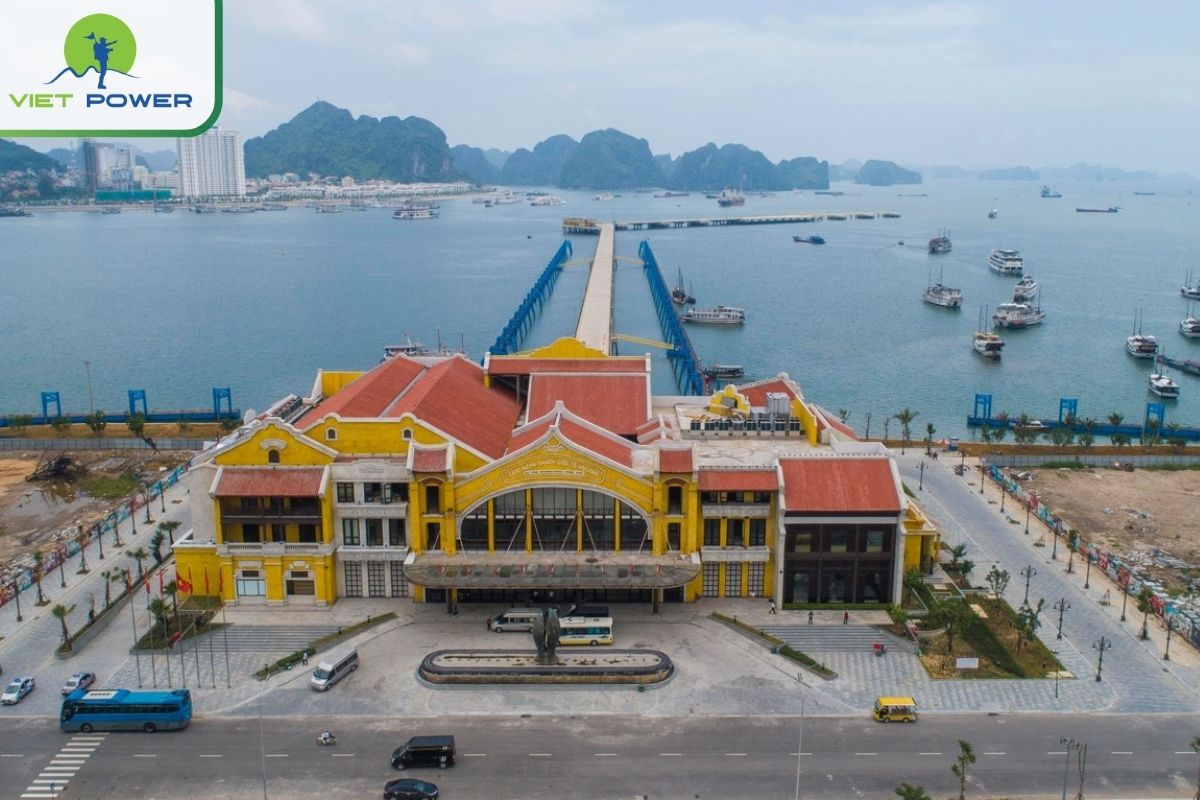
point(100, 50)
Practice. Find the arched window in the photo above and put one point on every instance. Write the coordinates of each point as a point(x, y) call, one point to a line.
point(331, 434)
point(272, 456)
point(563, 518)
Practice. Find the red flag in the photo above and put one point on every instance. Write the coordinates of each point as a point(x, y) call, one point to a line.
point(146, 583)
point(184, 586)
point(128, 580)
point(161, 588)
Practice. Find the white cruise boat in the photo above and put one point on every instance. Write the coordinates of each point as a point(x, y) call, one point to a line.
point(1141, 346)
point(548, 200)
point(944, 296)
point(1026, 289)
point(718, 315)
point(987, 344)
point(416, 212)
point(1190, 327)
point(1163, 386)
point(1017, 315)
point(603, 196)
point(1006, 262)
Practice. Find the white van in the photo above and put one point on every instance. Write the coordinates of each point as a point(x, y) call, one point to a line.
point(333, 668)
point(516, 619)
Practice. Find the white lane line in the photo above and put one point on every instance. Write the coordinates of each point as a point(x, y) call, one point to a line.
point(1185, 752)
point(35, 795)
point(995, 754)
point(145, 755)
point(540, 755)
point(605, 755)
point(866, 754)
point(343, 755)
point(799, 754)
point(12, 755)
point(1056, 752)
point(80, 748)
point(276, 755)
point(735, 755)
point(472, 755)
point(209, 755)
point(50, 781)
point(929, 754)
point(670, 755)
point(1122, 752)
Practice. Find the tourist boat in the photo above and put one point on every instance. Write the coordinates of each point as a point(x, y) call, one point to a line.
point(508, 199)
point(1109, 210)
point(679, 295)
point(941, 295)
point(1026, 289)
point(603, 196)
point(1189, 327)
point(1048, 192)
point(1017, 315)
point(238, 210)
point(827, 192)
point(993, 214)
point(863, 215)
point(163, 209)
point(809, 239)
point(724, 371)
point(548, 200)
point(718, 315)
point(111, 210)
point(1188, 365)
point(329, 209)
point(415, 212)
point(1141, 345)
point(1006, 262)
point(731, 197)
point(1145, 194)
point(273, 207)
point(940, 243)
point(9, 211)
point(890, 215)
point(1163, 386)
point(1190, 290)
point(987, 344)
point(836, 217)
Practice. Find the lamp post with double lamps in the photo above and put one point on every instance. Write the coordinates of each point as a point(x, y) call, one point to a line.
point(800, 738)
point(1087, 577)
point(1101, 645)
point(1167, 653)
point(1061, 606)
point(1027, 574)
point(1027, 520)
point(921, 481)
point(1072, 747)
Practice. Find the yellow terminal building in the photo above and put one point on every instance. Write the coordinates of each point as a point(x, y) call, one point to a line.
point(549, 476)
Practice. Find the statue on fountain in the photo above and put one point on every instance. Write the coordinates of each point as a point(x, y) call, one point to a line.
point(545, 636)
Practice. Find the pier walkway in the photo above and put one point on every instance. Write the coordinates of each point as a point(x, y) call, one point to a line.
point(584, 225)
point(595, 314)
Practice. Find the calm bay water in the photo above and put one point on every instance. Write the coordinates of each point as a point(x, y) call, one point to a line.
point(180, 303)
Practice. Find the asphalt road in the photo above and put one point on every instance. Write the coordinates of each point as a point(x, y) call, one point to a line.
point(609, 757)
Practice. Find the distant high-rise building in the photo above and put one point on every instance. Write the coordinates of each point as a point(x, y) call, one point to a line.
point(212, 165)
point(94, 156)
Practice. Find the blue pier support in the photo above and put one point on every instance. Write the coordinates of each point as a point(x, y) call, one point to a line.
point(49, 398)
point(509, 340)
point(219, 395)
point(1155, 417)
point(682, 355)
point(983, 406)
point(137, 396)
point(1067, 407)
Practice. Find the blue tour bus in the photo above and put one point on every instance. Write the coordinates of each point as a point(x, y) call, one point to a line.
point(125, 710)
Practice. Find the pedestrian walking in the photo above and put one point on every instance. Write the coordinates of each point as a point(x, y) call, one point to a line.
point(810, 617)
point(845, 617)
point(304, 658)
point(489, 623)
point(771, 606)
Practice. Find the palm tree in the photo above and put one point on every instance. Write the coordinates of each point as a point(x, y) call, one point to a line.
point(905, 418)
point(929, 431)
point(60, 613)
point(171, 590)
point(138, 555)
point(96, 421)
point(162, 616)
point(156, 543)
point(843, 415)
point(82, 540)
point(169, 528)
point(1087, 438)
point(60, 424)
point(109, 576)
point(183, 425)
point(1143, 605)
point(38, 572)
point(1117, 439)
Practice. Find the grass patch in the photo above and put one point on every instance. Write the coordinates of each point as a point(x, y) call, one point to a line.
point(290, 660)
point(778, 646)
point(110, 487)
point(1171, 467)
point(908, 491)
point(993, 641)
point(1072, 464)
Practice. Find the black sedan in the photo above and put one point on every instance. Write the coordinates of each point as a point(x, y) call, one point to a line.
point(409, 789)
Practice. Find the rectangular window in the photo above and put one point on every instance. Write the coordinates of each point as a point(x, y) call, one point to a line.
point(674, 532)
point(712, 532)
point(372, 492)
point(733, 533)
point(308, 533)
point(674, 499)
point(396, 533)
point(803, 539)
point(758, 533)
point(754, 581)
point(837, 540)
point(733, 580)
point(712, 580)
point(762, 498)
point(399, 582)
point(250, 533)
point(350, 535)
point(396, 492)
point(353, 578)
point(278, 532)
point(708, 497)
point(251, 587)
point(433, 499)
point(345, 492)
point(873, 541)
point(433, 536)
point(375, 582)
point(374, 532)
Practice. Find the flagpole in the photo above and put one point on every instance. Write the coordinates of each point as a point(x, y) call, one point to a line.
point(212, 663)
point(133, 619)
point(224, 626)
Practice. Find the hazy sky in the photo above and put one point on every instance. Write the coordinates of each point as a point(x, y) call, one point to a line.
point(987, 83)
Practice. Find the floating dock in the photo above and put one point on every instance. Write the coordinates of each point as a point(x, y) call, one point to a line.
point(591, 227)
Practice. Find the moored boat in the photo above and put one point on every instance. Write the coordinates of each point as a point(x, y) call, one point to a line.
point(1026, 289)
point(987, 344)
point(1189, 327)
point(724, 371)
point(679, 295)
point(993, 214)
point(1188, 365)
point(809, 239)
point(1048, 192)
point(1017, 315)
point(1190, 290)
point(1163, 386)
point(940, 243)
point(731, 197)
point(939, 294)
point(1109, 210)
point(717, 315)
point(1006, 262)
point(415, 212)
point(1141, 345)
point(10, 211)
point(548, 200)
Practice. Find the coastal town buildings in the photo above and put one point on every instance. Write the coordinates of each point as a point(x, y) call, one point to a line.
point(212, 164)
point(549, 476)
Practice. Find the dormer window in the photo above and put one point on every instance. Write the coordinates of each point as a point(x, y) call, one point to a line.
point(272, 456)
point(331, 434)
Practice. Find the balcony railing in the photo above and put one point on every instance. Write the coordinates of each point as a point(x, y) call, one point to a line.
point(755, 555)
point(398, 510)
point(736, 509)
point(275, 548)
point(305, 514)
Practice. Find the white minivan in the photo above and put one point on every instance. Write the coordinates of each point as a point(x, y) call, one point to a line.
point(516, 619)
point(333, 668)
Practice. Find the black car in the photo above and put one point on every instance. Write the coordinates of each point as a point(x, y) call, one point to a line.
point(409, 789)
point(425, 751)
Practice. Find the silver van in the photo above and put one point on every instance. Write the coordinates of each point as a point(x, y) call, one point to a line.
point(333, 668)
point(516, 619)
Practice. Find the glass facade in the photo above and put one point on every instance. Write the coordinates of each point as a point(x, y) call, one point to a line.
point(554, 520)
point(838, 563)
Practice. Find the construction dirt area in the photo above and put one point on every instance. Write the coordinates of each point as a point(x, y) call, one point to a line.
point(1148, 517)
point(79, 490)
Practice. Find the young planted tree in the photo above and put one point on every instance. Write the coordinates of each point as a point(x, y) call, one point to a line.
point(162, 616)
point(20, 423)
point(1072, 543)
point(956, 555)
point(136, 422)
point(183, 425)
point(169, 527)
point(1174, 439)
point(39, 571)
point(905, 418)
point(60, 613)
point(1143, 605)
point(1028, 621)
point(997, 580)
point(109, 576)
point(60, 424)
point(230, 424)
point(966, 757)
point(965, 568)
point(96, 422)
point(843, 414)
point(907, 791)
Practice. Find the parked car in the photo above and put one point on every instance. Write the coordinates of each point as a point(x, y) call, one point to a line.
point(80, 680)
point(409, 789)
point(16, 691)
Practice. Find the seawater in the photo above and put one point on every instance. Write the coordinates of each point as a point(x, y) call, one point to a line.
point(179, 303)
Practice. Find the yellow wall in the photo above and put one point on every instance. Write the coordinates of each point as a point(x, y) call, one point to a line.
point(296, 450)
point(334, 382)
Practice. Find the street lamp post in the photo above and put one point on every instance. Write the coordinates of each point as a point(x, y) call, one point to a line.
point(1087, 577)
point(1027, 574)
point(921, 481)
point(100, 539)
point(1026, 520)
point(1061, 606)
point(1057, 672)
point(1054, 552)
point(62, 573)
point(1071, 746)
point(1167, 652)
point(1101, 645)
point(981, 473)
point(162, 497)
point(1124, 601)
point(1003, 494)
point(17, 597)
point(800, 739)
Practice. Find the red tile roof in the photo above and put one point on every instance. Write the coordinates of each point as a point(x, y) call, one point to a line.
point(369, 394)
point(756, 393)
point(617, 403)
point(738, 480)
point(838, 425)
point(269, 482)
point(451, 397)
point(529, 435)
point(840, 485)
point(429, 459)
point(500, 365)
point(672, 459)
point(620, 452)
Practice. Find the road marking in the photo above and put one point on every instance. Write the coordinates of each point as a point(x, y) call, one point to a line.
point(670, 755)
point(540, 755)
point(473, 755)
point(605, 755)
point(343, 755)
point(799, 754)
point(32, 795)
point(865, 754)
point(995, 754)
point(1056, 752)
point(12, 755)
point(1122, 752)
point(51, 781)
point(209, 755)
point(735, 755)
point(145, 755)
point(1185, 752)
point(277, 755)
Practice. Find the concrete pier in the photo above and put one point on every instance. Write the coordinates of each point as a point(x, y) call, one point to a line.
point(585, 225)
point(595, 314)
